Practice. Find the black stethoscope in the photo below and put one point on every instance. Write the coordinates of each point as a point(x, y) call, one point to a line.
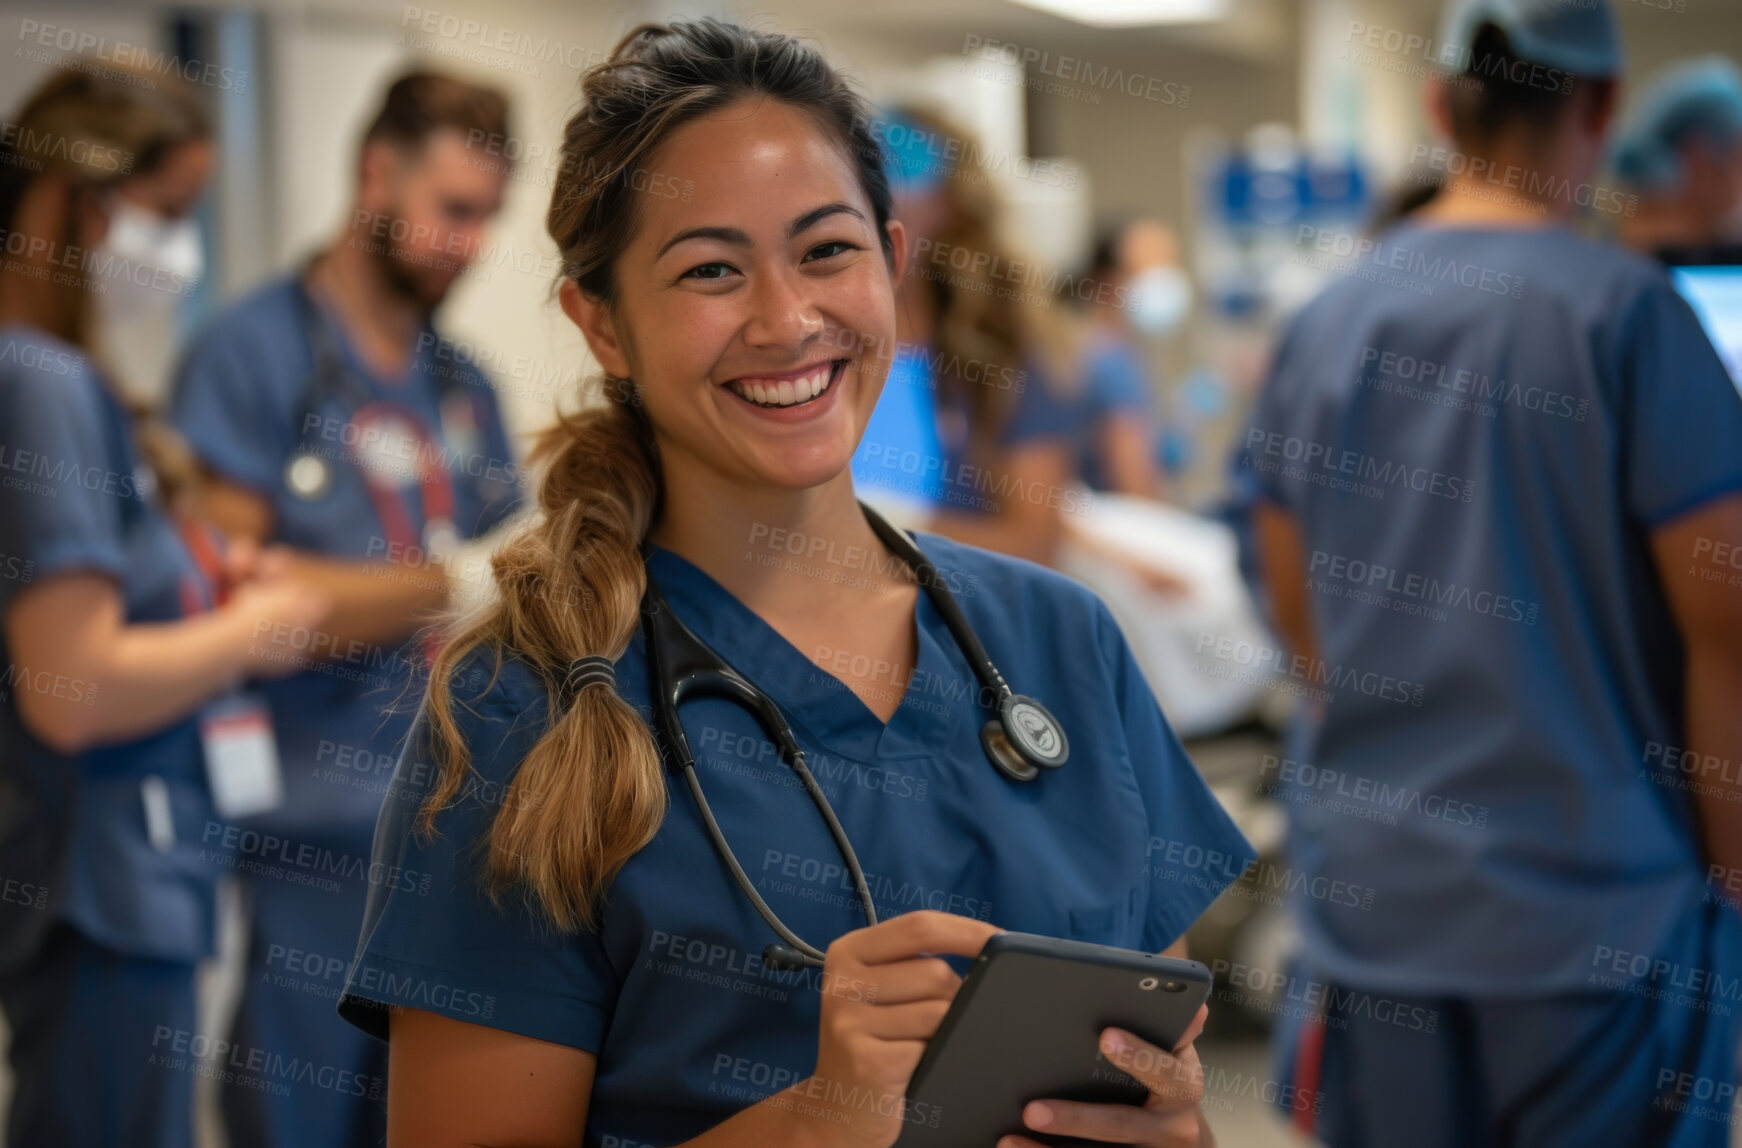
point(1024, 738)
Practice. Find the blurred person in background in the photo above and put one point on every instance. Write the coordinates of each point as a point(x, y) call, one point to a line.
point(126, 632)
point(1681, 153)
point(971, 420)
point(1523, 642)
point(332, 420)
point(1137, 292)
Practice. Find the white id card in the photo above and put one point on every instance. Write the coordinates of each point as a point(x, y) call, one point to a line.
point(241, 757)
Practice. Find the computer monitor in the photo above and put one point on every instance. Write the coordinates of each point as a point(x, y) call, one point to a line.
point(1715, 293)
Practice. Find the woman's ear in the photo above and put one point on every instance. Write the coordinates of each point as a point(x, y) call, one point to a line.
point(897, 249)
point(1436, 96)
point(594, 319)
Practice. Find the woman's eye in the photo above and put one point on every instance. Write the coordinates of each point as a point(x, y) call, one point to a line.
point(830, 249)
point(708, 271)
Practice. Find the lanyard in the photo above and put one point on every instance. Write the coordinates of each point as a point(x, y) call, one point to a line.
point(381, 426)
point(203, 589)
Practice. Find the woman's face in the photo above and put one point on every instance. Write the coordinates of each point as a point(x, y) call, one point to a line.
point(754, 308)
point(173, 187)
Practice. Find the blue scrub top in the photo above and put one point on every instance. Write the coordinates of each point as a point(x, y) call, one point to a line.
point(916, 443)
point(1124, 845)
point(1477, 434)
point(76, 497)
point(1115, 384)
point(240, 403)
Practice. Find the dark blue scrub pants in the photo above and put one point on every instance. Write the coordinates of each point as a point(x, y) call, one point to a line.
point(301, 939)
point(95, 1057)
point(1588, 1070)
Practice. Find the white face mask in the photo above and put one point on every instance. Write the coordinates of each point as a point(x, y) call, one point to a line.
point(1161, 298)
point(147, 264)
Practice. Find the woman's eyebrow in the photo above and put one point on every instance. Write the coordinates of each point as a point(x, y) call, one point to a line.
point(817, 215)
point(740, 238)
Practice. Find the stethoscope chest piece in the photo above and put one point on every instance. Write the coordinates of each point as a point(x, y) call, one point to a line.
point(1025, 739)
point(308, 476)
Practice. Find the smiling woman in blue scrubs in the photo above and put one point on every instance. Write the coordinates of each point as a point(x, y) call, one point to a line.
point(566, 956)
point(116, 642)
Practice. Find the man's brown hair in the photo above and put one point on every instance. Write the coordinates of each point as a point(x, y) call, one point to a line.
point(419, 104)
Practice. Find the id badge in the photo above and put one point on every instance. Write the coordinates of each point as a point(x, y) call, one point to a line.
point(241, 757)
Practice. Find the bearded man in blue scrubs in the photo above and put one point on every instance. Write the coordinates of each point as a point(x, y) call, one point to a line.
point(1497, 462)
point(335, 423)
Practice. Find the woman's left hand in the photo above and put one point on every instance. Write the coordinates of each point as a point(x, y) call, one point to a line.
point(1170, 1118)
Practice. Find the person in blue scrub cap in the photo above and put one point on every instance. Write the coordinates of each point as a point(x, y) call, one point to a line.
point(1681, 154)
point(1500, 487)
point(333, 422)
point(126, 633)
point(566, 957)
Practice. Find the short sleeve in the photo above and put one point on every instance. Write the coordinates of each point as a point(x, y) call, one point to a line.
point(1682, 419)
point(60, 501)
point(228, 411)
point(1195, 850)
point(432, 938)
point(1116, 384)
point(1038, 414)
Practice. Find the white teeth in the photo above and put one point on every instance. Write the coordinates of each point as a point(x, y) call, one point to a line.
point(786, 392)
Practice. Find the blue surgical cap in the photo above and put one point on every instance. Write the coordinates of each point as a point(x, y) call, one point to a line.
point(1576, 36)
point(1695, 98)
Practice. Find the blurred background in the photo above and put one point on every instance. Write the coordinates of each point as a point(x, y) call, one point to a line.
point(1234, 133)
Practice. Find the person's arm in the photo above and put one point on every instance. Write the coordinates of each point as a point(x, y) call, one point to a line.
point(1705, 595)
point(1029, 485)
point(1124, 440)
point(1283, 570)
point(451, 1084)
point(93, 679)
point(380, 603)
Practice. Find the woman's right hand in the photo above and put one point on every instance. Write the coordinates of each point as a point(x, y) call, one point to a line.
point(271, 611)
point(884, 990)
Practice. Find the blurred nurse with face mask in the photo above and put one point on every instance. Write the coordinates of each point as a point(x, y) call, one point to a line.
point(156, 257)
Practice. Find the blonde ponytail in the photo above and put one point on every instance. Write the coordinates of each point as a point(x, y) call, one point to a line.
point(591, 792)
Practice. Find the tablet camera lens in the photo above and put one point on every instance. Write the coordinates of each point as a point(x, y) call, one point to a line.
point(1175, 986)
point(1148, 983)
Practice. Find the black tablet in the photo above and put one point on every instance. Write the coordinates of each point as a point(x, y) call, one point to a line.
point(1026, 1025)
